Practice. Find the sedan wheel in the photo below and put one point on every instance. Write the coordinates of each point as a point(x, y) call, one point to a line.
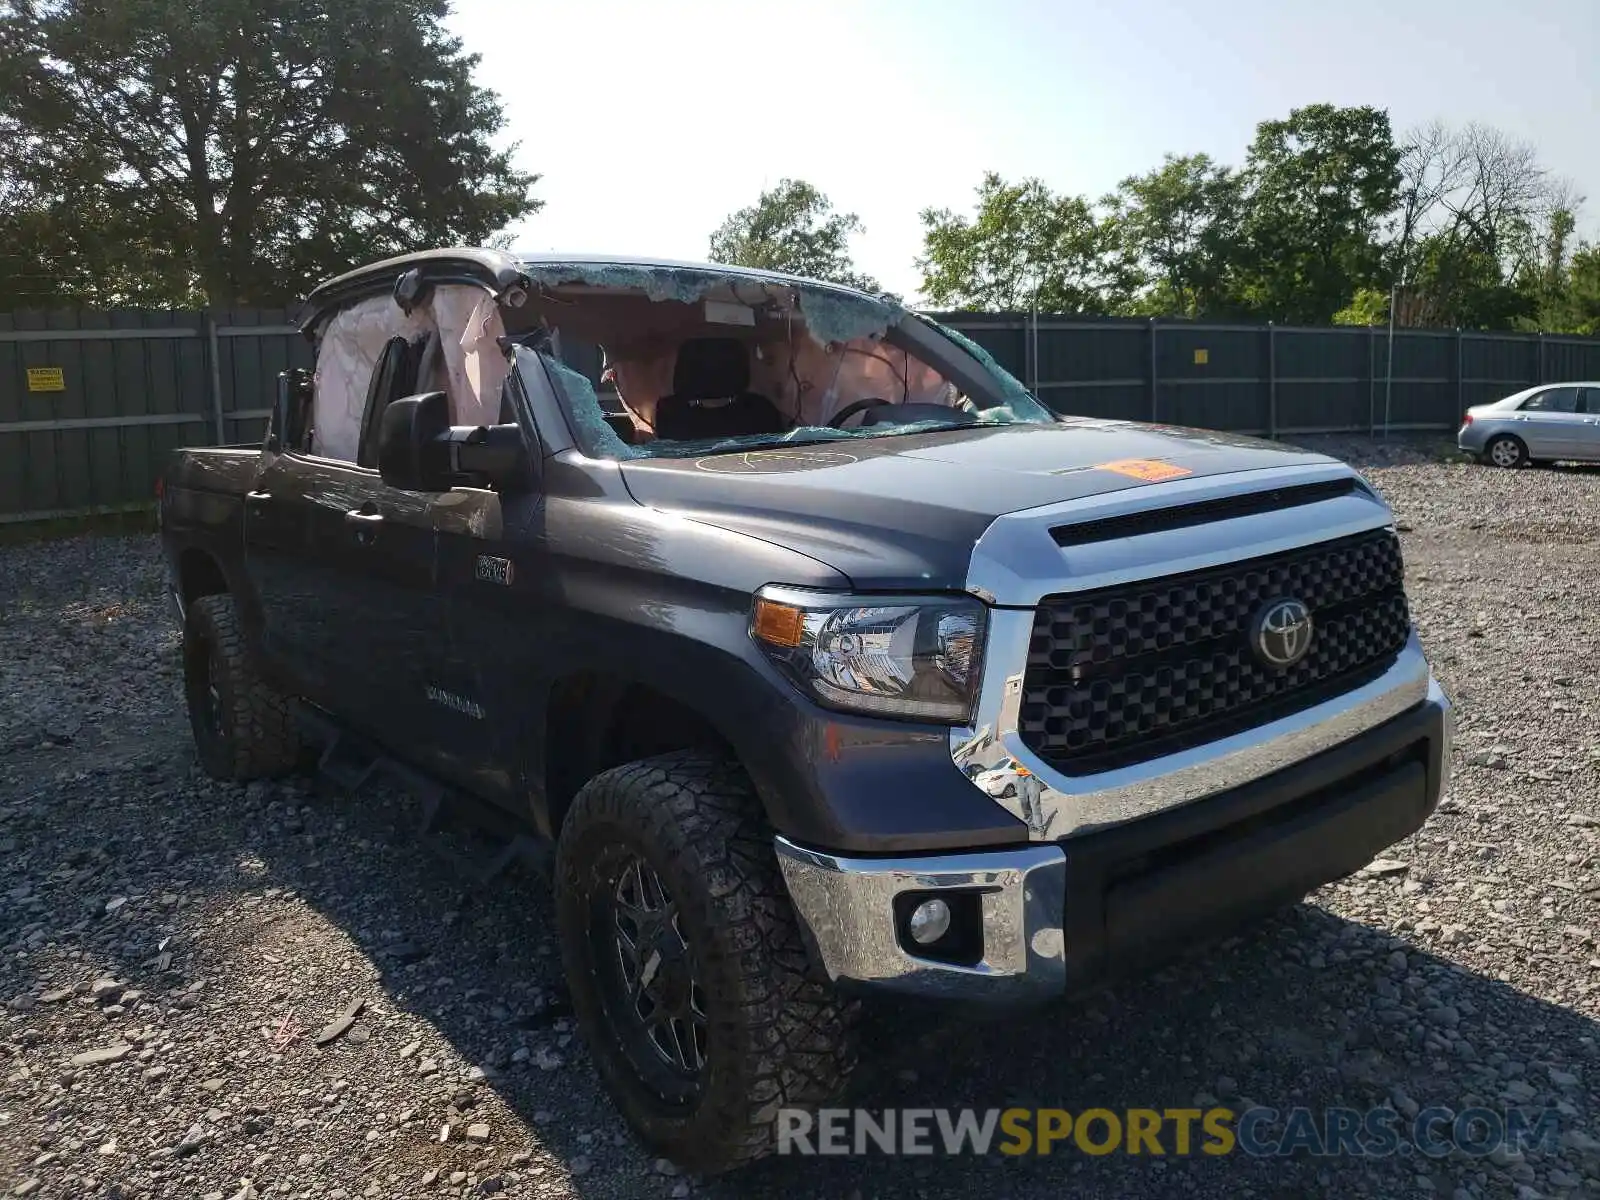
point(1506, 451)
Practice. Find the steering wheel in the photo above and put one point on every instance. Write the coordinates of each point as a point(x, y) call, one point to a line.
point(849, 410)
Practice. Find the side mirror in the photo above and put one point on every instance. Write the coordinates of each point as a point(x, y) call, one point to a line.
point(408, 453)
point(420, 451)
point(286, 429)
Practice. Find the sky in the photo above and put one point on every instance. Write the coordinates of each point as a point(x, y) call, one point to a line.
point(651, 120)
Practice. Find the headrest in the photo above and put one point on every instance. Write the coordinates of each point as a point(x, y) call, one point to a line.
point(711, 369)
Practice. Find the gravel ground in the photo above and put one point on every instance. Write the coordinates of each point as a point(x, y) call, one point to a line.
point(194, 940)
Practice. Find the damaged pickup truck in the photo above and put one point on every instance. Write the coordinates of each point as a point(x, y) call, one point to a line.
point(824, 657)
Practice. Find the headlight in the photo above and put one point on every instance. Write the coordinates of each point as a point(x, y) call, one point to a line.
point(913, 657)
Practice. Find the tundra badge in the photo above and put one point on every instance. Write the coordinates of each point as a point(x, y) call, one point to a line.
point(460, 704)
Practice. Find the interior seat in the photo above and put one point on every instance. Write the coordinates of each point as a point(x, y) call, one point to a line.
point(400, 367)
point(711, 397)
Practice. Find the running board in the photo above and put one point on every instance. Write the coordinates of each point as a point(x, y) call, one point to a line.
point(351, 763)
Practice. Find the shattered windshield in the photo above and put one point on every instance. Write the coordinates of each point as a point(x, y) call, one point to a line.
point(660, 361)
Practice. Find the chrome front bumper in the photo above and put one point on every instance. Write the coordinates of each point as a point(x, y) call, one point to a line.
point(846, 906)
point(847, 910)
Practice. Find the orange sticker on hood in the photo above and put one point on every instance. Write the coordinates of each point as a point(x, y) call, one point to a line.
point(1151, 470)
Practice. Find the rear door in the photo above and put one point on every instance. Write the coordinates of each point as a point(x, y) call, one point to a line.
point(1588, 447)
point(353, 610)
point(284, 584)
point(1552, 424)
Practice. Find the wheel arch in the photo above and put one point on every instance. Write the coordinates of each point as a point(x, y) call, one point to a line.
point(200, 574)
point(596, 719)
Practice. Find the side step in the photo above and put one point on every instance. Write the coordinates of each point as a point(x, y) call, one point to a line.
point(351, 763)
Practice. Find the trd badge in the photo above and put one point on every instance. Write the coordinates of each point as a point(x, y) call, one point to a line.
point(494, 570)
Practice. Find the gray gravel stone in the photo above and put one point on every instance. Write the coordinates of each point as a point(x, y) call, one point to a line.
point(102, 1056)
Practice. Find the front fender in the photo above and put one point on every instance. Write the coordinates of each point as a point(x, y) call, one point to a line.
point(857, 784)
point(604, 587)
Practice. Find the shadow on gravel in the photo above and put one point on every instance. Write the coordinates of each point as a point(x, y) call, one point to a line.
point(1306, 1010)
point(1246, 1023)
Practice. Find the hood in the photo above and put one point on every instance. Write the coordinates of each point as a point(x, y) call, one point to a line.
point(904, 512)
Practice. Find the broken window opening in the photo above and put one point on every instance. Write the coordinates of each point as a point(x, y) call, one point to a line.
point(722, 362)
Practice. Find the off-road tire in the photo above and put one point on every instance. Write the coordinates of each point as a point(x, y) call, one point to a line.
point(778, 1036)
point(1506, 443)
point(256, 736)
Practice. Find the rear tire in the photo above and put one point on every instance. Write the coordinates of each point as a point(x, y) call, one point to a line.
point(758, 1030)
point(243, 728)
point(1507, 451)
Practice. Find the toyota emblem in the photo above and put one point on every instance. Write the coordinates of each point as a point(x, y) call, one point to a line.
point(1281, 633)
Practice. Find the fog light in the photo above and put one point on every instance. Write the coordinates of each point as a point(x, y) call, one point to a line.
point(929, 922)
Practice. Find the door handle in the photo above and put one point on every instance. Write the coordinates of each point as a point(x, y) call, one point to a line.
point(364, 523)
point(258, 497)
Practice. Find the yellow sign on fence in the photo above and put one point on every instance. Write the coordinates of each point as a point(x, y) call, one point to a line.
point(46, 379)
point(1202, 357)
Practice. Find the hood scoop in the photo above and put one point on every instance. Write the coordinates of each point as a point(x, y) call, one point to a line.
point(1182, 516)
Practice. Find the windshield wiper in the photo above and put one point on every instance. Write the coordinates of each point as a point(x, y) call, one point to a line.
point(872, 431)
point(940, 427)
point(777, 443)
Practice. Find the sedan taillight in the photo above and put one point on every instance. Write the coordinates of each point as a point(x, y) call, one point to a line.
point(1466, 420)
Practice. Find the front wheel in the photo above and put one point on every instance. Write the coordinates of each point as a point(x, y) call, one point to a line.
point(1506, 451)
point(685, 963)
point(243, 728)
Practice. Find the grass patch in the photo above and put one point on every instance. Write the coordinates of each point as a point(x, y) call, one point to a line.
point(141, 520)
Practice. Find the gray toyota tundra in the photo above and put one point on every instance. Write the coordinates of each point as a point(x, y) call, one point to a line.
point(821, 656)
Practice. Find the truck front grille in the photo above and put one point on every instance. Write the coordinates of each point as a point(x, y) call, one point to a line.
point(1132, 672)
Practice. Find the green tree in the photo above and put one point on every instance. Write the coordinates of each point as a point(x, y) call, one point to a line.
point(237, 151)
point(1369, 306)
point(24, 236)
point(1456, 282)
point(1024, 244)
point(792, 227)
point(1546, 276)
point(1320, 183)
point(1483, 231)
point(1178, 229)
point(1575, 308)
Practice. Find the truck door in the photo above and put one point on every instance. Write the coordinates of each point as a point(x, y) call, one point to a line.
point(351, 607)
point(493, 582)
point(508, 633)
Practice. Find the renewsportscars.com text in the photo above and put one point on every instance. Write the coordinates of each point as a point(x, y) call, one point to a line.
point(1259, 1132)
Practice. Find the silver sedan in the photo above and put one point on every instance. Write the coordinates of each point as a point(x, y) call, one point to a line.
point(1541, 424)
